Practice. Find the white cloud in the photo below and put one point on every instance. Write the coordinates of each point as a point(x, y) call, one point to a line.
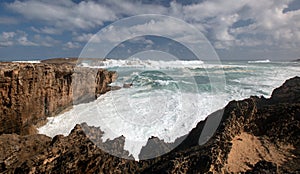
point(149, 42)
point(47, 30)
point(66, 15)
point(216, 18)
point(270, 24)
point(128, 7)
point(162, 26)
point(6, 43)
point(84, 15)
point(45, 41)
point(8, 35)
point(23, 40)
point(85, 37)
point(6, 39)
point(71, 45)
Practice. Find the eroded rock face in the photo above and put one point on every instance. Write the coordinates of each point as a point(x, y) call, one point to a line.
point(89, 83)
point(72, 154)
point(268, 127)
point(31, 92)
point(286, 92)
point(16, 150)
point(274, 123)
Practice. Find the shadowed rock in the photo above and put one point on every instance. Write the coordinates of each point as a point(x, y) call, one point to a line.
point(255, 135)
point(29, 93)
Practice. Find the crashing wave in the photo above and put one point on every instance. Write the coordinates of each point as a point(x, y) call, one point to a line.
point(110, 63)
point(260, 61)
point(28, 61)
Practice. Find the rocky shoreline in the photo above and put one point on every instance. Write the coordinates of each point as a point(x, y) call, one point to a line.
point(256, 135)
point(30, 93)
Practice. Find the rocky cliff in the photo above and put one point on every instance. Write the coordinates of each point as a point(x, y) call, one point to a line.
point(256, 135)
point(29, 93)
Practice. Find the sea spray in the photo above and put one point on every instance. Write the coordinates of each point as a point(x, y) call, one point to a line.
point(167, 101)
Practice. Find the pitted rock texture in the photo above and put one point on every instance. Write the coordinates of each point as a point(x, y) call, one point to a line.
point(272, 127)
point(29, 93)
point(255, 135)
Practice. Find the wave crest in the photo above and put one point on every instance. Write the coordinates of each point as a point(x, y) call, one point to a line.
point(260, 61)
point(110, 63)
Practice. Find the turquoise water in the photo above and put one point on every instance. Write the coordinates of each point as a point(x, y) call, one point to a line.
point(168, 99)
point(240, 78)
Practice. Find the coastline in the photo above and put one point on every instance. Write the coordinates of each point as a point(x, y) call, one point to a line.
point(32, 92)
point(268, 127)
point(254, 123)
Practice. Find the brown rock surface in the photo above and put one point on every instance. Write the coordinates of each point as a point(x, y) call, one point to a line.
point(247, 150)
point(256, 135)
point(72, 154)
point(16, 149)
point(31, 92)
point(268, 127)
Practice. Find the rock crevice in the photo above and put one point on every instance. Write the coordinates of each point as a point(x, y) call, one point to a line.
point(266, 129)
point(29, 93)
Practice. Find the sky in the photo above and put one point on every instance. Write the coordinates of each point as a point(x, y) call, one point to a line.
point(237, 30)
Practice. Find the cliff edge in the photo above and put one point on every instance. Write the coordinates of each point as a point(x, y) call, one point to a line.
point(29, 93)
point(256, 135)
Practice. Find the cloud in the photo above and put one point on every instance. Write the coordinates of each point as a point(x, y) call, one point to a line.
point(129, 8)
point(8, 20)
point(141, 41)
point(64, 14)
point(47, 30)
point(5, 44)
point(269, 23)
point(159, 26)
point(22, 38)
point(8, 35)
point(71, 45)
point(5, 39)
point(45, 41)
point(25, 42)
point(85, 37)
point(265, 22)
point(85, 15)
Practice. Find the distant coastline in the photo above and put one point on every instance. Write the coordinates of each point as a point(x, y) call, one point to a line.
point(73, 58)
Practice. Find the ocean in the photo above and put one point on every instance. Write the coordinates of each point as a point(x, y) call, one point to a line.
point(166, 99)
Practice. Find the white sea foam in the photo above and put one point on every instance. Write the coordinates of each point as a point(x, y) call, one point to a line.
point(28, 61)
point(137, 116)
point(137, 63)
point(260, 61)
point(141, 112)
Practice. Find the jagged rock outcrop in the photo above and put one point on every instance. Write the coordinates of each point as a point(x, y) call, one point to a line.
point(31, 92)
point(75, 153)
point(15, 150)
point(251, 131)
point(255, 135)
